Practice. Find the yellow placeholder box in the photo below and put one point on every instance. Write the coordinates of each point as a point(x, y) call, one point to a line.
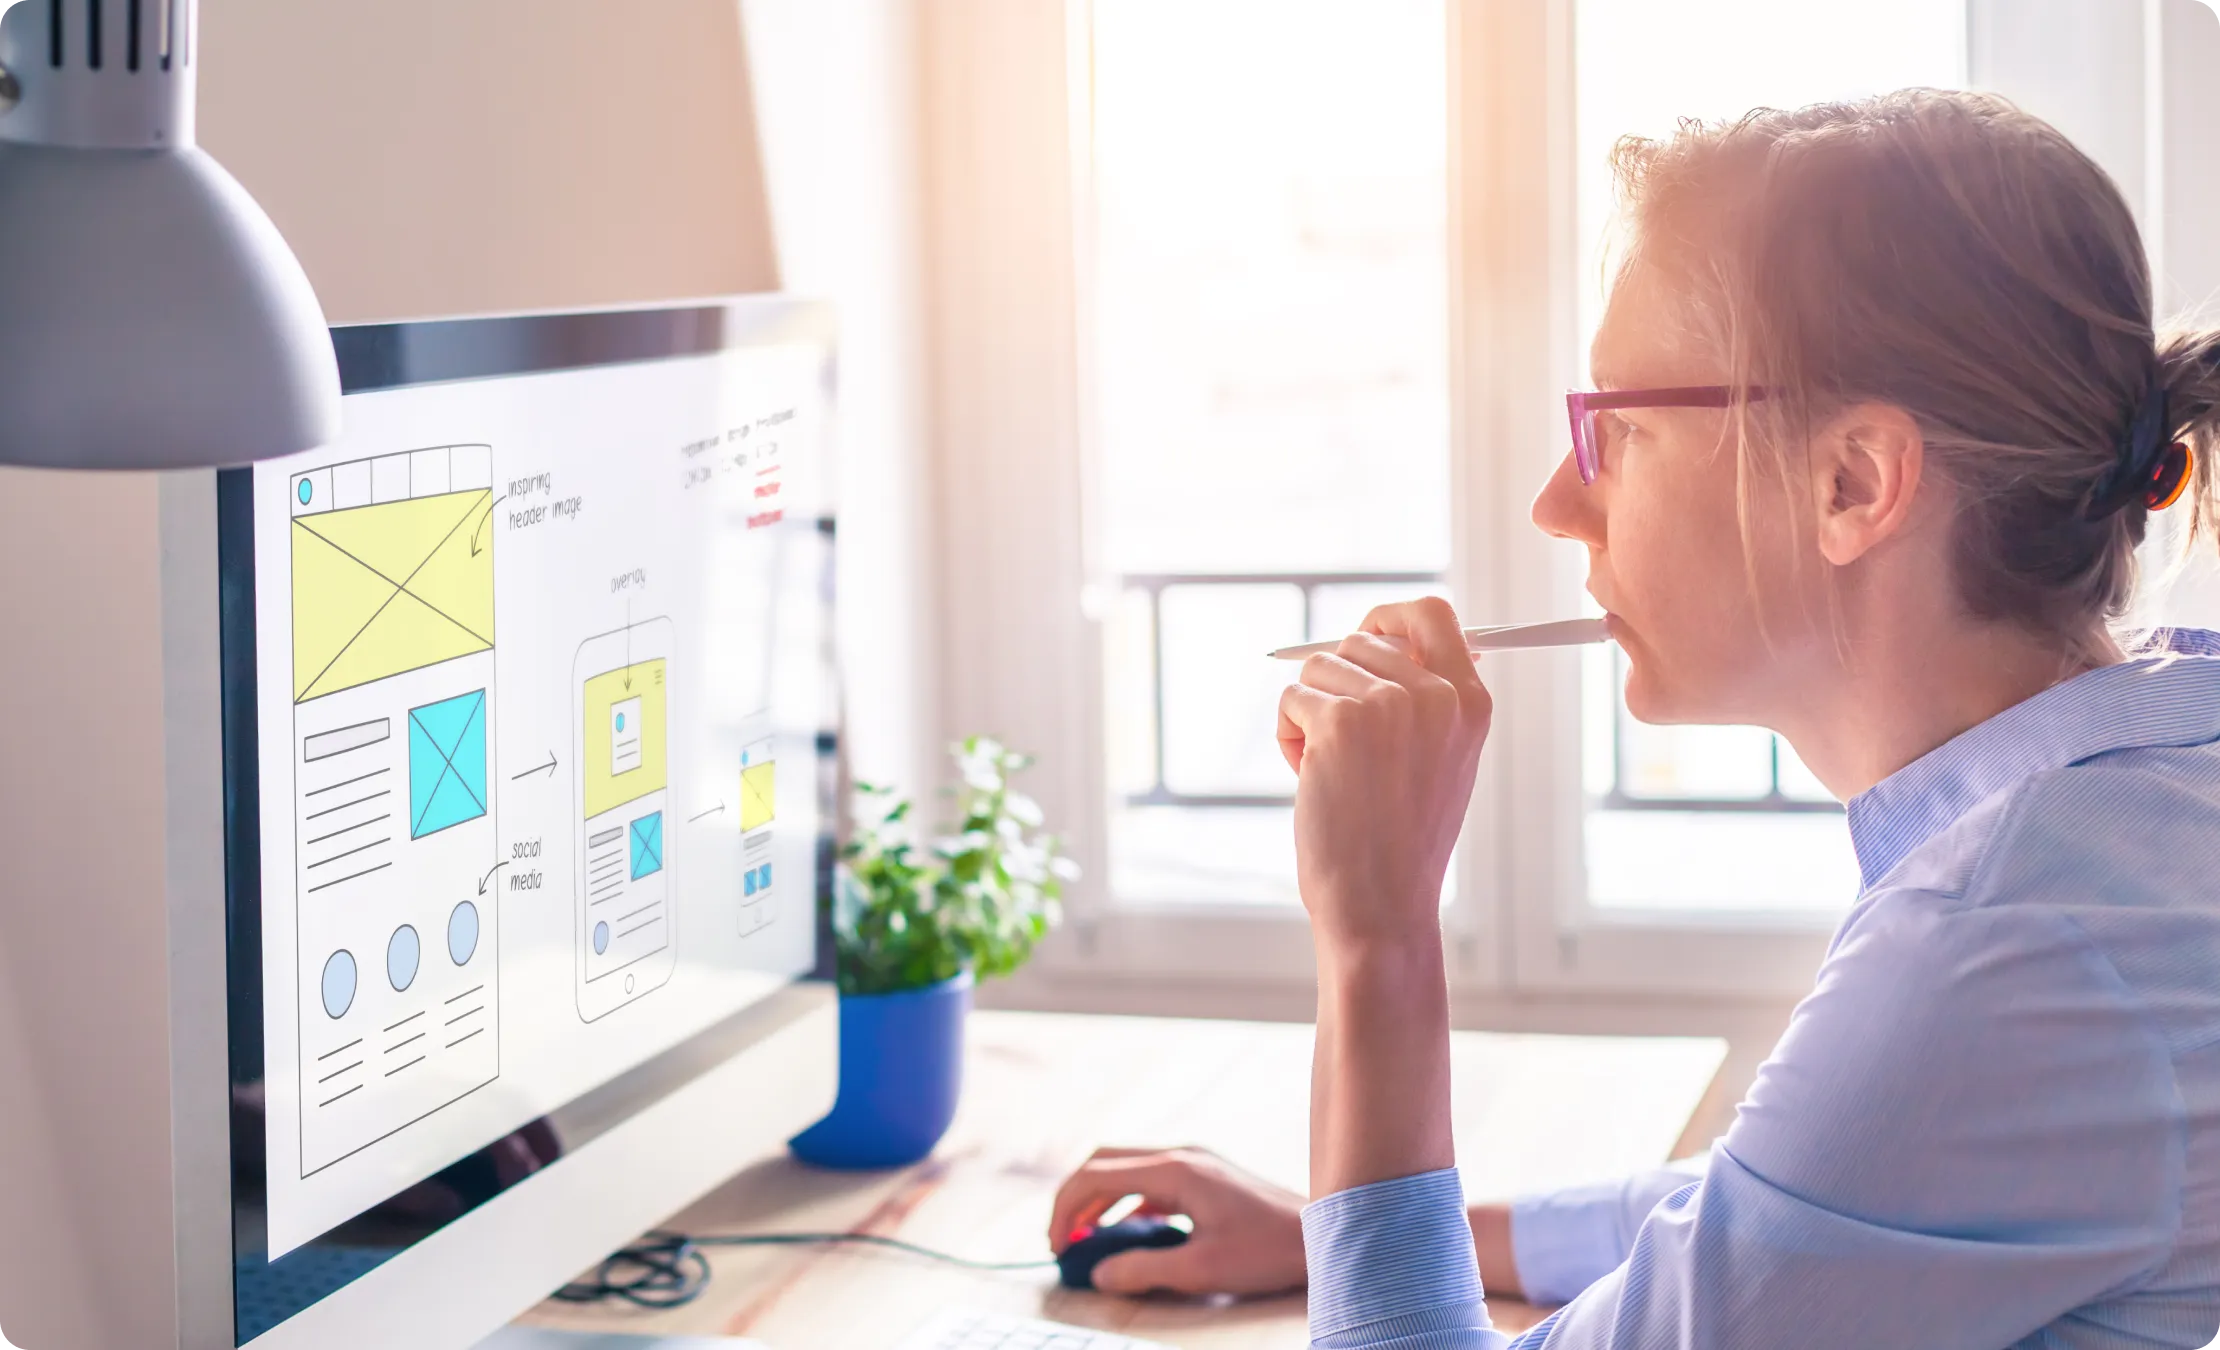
point(626, 735)
point(758, 794)
point(378, 590)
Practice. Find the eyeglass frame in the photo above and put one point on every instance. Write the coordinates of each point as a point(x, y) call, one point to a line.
point(1581, 406)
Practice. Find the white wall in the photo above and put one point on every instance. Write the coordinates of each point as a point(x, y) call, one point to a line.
point(2013, 47)
point(26, 1130)
point(837, 101)
point(426, 157)
point(84, 1122)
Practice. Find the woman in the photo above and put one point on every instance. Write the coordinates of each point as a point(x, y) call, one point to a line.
point(1886, 420)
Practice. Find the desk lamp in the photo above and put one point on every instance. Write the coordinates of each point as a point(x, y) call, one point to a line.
point(151, 316)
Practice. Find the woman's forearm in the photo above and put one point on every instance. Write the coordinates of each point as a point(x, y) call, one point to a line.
point(1491, 1242)
point(1385, 737)
point(1380, 1081)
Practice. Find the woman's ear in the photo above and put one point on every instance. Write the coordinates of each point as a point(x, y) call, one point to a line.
point(1867, 464)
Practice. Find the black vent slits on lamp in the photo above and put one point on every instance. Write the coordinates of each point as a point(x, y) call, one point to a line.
point(167, 42)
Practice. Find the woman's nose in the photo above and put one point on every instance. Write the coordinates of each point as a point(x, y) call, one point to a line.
point(1568, 508)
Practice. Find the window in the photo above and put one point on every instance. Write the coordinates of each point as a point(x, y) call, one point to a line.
point(1267, 191)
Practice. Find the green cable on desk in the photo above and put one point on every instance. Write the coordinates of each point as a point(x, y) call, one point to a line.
point(668, 1270)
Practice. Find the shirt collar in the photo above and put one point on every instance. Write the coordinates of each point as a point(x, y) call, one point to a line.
point(2160, 699)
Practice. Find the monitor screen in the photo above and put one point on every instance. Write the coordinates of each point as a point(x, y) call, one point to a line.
point(527, 693)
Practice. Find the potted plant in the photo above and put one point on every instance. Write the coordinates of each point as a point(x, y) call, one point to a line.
point(913, 928)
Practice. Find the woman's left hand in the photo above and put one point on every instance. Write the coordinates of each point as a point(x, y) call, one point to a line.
point(1385, 740)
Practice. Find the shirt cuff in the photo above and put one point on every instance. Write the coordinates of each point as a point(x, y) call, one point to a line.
point(1392, 1253)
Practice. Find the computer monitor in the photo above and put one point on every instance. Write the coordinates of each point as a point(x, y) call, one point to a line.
point(527, 724)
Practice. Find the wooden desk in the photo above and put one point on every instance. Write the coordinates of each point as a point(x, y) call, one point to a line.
point(1043, 1090)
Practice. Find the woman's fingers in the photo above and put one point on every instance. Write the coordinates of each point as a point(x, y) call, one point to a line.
point(1392, 666)
point(1429, 626)
point(1247, 1234)
point(1079, 1202)
point(1382, 658)
point(1158, 1178)
point(1431, 637)
point(1384, 734)
point(1302, 708)
point(1338, 673)
point(1182, 1270)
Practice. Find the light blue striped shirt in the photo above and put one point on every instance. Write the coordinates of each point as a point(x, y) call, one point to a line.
point(1995, 1120)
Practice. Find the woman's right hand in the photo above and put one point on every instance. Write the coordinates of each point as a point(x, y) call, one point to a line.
point(1248, 1236)
point(1384, 735)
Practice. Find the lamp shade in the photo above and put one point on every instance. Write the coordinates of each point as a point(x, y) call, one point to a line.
point(151, 316)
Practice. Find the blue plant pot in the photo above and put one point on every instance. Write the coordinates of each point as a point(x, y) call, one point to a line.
point(901, 1070)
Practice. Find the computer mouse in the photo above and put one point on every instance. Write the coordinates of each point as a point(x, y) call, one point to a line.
point(1078, 1261)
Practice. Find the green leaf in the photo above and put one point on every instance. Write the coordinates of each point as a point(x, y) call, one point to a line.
point(978, 897)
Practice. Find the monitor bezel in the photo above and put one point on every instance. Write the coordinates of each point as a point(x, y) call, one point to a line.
point(385, 356)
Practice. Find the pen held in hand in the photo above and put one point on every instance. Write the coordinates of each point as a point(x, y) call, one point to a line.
point(1499, 637)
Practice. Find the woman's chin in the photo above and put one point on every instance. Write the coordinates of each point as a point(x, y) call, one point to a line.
point(1639, 704)
point(1663, 702)
point(1649, 696)
point(1646, 701)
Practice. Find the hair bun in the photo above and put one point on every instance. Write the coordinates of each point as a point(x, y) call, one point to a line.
point(2150, 466)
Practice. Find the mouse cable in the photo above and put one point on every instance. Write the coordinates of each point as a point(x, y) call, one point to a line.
point(668, 1270)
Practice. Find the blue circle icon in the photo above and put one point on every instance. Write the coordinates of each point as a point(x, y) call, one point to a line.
point(601, 938)
point(462, 933)
point(620, 721)
point(339, 984)
point(402, 953)
point(306, 491)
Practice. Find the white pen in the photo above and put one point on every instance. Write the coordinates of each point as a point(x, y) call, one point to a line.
point(1499, 637)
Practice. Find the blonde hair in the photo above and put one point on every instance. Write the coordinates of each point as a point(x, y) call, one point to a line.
point(1953, 256)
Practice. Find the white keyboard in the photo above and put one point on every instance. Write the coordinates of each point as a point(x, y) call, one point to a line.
point(970, 1329)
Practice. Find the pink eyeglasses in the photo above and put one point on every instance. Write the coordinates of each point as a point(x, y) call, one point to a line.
point(1583, 405)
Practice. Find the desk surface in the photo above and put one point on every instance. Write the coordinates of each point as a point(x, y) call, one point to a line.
point(1042, 1090)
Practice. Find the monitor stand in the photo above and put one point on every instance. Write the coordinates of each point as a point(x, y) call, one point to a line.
point(541, 1338)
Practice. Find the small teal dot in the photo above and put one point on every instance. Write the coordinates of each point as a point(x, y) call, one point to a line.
point(305, 490)
point(620, 721)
